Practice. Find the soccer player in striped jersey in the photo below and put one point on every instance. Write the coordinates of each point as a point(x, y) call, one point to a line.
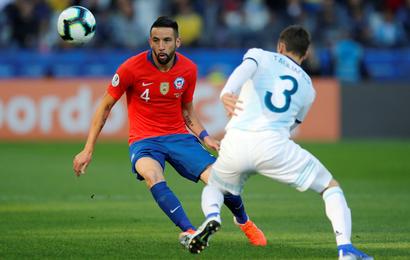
point(275, 97)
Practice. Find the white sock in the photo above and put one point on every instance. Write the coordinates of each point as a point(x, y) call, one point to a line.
point(339, 214)
point(212, 200)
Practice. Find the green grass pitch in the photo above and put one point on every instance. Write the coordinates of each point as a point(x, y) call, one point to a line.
point(47, 212)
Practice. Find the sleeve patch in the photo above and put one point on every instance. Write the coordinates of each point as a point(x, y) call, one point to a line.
point(115, 80)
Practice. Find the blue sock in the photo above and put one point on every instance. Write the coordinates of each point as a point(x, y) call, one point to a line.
point(235, 205)
point(171, 206)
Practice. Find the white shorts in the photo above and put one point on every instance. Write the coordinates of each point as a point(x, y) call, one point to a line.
point(268, 153)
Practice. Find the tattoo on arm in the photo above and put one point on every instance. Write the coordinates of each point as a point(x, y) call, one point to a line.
point(188, 121)
point(105, 116)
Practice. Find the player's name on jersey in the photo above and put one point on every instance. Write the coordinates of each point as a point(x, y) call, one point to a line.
point(293, 66)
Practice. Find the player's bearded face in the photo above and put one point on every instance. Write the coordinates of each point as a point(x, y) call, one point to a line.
point(163, 42)
point(163, 58)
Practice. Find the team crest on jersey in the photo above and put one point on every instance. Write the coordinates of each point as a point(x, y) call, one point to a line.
point(115, 80)
point(164, 88)
point(179, 82)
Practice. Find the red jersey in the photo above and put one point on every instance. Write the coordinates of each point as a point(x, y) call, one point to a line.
point(154, 97)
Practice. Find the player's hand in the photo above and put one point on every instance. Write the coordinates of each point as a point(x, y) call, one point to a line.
point(81, 162)
point(230, 102)
point(211, 143)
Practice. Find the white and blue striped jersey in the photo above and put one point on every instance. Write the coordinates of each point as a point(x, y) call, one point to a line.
point(278, 94)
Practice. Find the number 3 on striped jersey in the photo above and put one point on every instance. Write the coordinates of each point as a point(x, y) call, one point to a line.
point(286, 93)
point(145, 95)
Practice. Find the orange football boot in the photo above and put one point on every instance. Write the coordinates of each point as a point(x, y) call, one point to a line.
point(185, 236)
point(254, 234)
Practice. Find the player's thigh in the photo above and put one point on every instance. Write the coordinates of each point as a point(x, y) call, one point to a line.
point(323, 179)
point(288, 163)
point(150, 157)
point(187, 155)
point(150, 169)
point(232, 167)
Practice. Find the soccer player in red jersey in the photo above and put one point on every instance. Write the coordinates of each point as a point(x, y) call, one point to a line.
point(159, 85)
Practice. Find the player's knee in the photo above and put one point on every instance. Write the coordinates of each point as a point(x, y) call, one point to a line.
point(332, 183)
point(205, 175)
point(152, 177)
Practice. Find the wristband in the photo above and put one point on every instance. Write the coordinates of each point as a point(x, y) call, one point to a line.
point(203, 134)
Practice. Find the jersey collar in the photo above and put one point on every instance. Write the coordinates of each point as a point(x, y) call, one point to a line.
point(293, 61)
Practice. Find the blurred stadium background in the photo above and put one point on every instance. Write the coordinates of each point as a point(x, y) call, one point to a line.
point(359, 126)
point(361, 48)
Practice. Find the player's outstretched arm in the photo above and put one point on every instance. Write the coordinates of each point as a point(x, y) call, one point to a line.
point(230, 92)
point(83, 158)
point(194, 124)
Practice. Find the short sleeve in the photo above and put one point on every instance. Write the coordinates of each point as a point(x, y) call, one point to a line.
point(303, 112)
point(188, 95)
point(120, 82)
point(254, 54)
